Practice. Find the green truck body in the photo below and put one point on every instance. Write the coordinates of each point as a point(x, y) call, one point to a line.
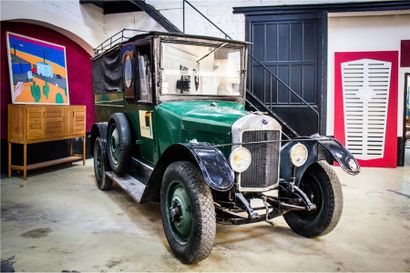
point(172, 126)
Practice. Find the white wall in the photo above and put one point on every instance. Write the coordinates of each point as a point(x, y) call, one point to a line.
point(365, 32)
point(85, 24)
point(132, 20)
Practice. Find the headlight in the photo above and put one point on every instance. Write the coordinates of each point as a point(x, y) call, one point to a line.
point(298, 154)
point(240, 159)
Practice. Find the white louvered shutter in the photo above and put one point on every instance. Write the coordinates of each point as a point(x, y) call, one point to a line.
point(366, 85)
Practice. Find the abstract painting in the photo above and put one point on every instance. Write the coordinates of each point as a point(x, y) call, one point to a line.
point(38, 71)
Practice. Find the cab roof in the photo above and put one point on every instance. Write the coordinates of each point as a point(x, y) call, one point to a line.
point(183, 35)
point(122, 39)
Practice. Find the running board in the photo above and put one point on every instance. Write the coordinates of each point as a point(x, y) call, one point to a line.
point(129, 184)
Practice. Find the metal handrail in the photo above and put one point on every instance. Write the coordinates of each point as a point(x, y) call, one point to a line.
point(289, 89)
point(103, 47)
point(282, 82)
point(292, 132)
point(253, 58)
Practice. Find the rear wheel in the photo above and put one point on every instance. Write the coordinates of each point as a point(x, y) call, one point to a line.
point(322, 186)
point(119, 142)
point(101, 166)
point(188, 213)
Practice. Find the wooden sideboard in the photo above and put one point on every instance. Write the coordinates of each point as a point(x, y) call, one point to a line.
point(29, 124)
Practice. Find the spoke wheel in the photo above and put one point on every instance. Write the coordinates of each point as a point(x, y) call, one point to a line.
point(322, 187)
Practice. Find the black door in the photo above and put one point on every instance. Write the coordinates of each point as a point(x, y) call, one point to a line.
point(291, 47)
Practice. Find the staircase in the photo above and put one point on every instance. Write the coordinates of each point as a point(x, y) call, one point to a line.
point(253, 102)
point(156, 15)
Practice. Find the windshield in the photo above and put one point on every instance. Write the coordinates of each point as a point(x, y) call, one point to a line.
point(189, 69)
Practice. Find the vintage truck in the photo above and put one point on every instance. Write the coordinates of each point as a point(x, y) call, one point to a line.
point(172, 128)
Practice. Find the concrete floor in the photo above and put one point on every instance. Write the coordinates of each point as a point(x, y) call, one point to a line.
point(58, 220)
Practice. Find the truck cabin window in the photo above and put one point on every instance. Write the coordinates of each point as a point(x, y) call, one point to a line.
point(145, 78)
point(189, 69)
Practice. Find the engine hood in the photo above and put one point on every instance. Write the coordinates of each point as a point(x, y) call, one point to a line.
point(211, 116)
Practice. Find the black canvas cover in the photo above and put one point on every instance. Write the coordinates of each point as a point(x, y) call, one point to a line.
point(107, 72)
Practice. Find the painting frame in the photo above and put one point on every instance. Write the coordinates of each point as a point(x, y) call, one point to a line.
point(55, 85)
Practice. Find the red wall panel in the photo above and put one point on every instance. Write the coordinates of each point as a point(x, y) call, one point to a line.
point(390, 147)
point(78, 68)
point(405, 53)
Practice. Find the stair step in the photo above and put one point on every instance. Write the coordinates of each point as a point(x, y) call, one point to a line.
point(131, 185)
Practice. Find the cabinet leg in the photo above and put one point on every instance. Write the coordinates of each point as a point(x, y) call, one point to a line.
point(84, 151)
point(71, 147)
point(9, 170)
point(25, 161)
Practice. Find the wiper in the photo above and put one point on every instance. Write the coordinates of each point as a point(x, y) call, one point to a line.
point(206, 55)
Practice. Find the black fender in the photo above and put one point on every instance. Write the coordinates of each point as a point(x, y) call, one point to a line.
point(340, 154)
point(98, 130)
point(319, 148)
point(212, 163)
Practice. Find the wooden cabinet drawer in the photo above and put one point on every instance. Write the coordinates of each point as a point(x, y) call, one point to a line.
point(35, 123)
point(75, 121)
point(53, 112)
point(54, 122)
point(17, 123)
point(79, 121)
point(54, 129)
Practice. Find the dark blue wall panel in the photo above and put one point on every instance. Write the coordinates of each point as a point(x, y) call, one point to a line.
point(290, 47)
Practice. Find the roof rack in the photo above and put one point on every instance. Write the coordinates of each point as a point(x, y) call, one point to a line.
point(119, 37)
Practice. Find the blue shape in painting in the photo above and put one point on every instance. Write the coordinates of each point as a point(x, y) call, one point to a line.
point(19, 68)
point(50, 53)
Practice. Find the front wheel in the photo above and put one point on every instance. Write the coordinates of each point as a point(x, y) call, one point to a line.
point(188, 213)
point(322, 186)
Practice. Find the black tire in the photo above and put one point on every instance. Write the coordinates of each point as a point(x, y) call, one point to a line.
point(101, 166)
point(322, 186)
point(118, 143)
point(195, 242)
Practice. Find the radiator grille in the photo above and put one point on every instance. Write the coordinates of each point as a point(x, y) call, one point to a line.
point(263, 172)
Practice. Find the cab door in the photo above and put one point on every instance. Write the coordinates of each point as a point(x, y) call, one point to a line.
point(138, 93)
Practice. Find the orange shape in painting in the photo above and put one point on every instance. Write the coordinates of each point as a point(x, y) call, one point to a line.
point(26, 96)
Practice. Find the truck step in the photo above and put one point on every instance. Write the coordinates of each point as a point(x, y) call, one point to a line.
point(132, 186)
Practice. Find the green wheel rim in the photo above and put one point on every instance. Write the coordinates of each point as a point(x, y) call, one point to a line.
point(178, 212)
point(114, 143)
